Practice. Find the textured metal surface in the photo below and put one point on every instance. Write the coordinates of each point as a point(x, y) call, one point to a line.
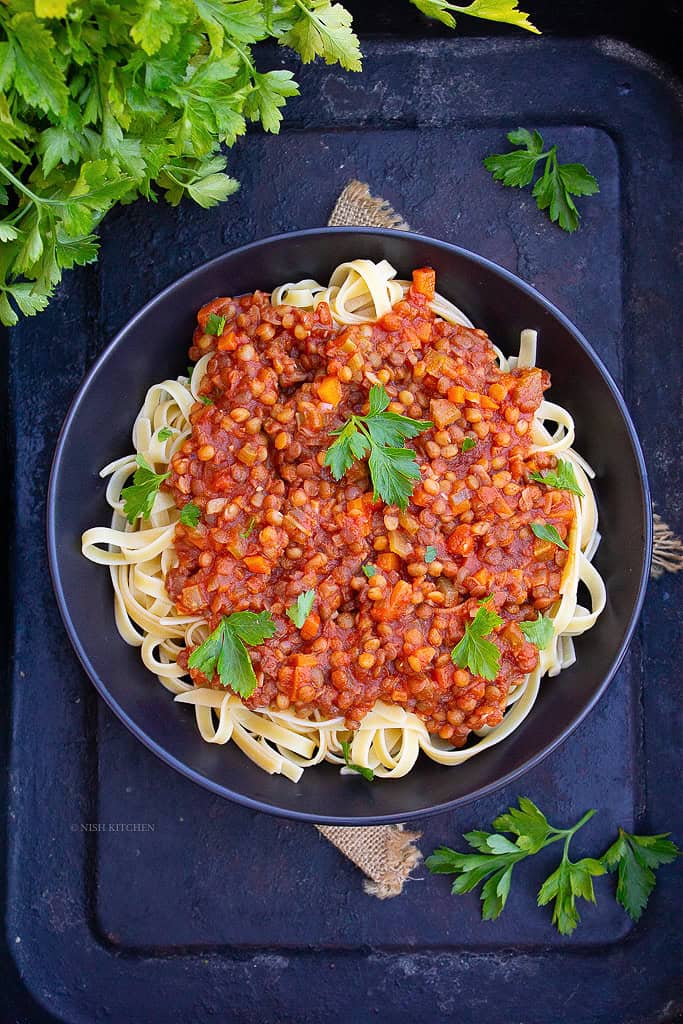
point(213, 912)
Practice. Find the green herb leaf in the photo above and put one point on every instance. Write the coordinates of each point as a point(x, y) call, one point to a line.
point(224, 651)
point(480, 656)
point(563, 478)
point(544, 531)
point(370, 570)
point(190, 514)
point(492, 10)
point(164, 434)
point(139, 497)
point(323, 30)
point(215, 325)
point(301, 609)
point(468, 443)
point(557, 184)
point(205, 399)
point(566, 883)
point(635, 858)
point(367, 773)
point(246, 532)
point(393, 468)
point(431, 554)
point(540, 631)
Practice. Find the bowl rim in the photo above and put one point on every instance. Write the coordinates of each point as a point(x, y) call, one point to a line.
point(262, 805)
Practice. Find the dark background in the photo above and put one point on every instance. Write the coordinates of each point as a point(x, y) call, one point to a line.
point(221, 914)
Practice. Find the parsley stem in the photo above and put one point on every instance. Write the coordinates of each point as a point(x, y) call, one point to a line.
point(22, 188)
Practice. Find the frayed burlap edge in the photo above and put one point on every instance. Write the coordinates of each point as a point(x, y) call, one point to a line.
point(667, 549)
point(357, 208)
point(385, 853)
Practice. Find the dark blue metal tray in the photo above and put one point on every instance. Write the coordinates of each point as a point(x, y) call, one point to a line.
point(134, 896)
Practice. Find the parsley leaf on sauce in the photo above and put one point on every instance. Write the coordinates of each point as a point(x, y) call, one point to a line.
point(190, 514)
point(563, 478)
point(248, 528)
point(430, 554)
point(539, 632)
point(370, 570)
point(164, 434)
point(138, 498)
point(215, 325)
point(393, 467)
point(367, 773)
point(205, 399)
point(224, 651)
point(301, 609)
point(468, 443)
point(545, 531)
point(480, 656)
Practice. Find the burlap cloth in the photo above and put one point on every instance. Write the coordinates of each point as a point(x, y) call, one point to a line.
point(386, 854)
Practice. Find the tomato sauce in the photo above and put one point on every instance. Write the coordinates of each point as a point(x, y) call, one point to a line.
point(275, 522)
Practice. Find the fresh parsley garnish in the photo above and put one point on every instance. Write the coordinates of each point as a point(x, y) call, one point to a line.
point(138, 497)
point(249, 527)
point(635, 858)
point(540, 631)
point(164, 434)
point(205, 399)
point(370, 570)
point(301, 609)
point(468, 443)
point(479, 655)
point(545, 531)
point(190, 514)
point(224, 651)
point(367, 773)
point(393, 467)
point(190, 370)
point(215, 325)
point(430, 554)
point(553, 191)
point(563, 478)
point(493, 10)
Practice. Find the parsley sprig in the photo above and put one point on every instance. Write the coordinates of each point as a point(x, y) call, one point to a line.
point(493, 864)
point(546, 531)
point(540, 631)
point(225, 650)
point(563, 478)
point(367, 773)
point(139, 497)
point(557, 184)
point(493, 10)
point(393, 468)
point(474, 652)
point(301, 609)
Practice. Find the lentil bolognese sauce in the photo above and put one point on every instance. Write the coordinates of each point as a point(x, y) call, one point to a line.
point(362, 541)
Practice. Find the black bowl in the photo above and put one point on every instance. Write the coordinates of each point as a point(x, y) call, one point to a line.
point(154, 344)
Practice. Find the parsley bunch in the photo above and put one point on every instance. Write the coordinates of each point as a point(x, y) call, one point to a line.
point(103, 103)
point(393, 468)
point(635, 858)
point(553, 191)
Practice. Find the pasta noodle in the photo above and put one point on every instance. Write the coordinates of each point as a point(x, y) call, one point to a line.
point(389, 738)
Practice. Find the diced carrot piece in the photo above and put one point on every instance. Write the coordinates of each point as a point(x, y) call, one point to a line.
point(311, 627)
point(257, 563)
point(329, 390)
point(488, 403)
point(456, 394)
point(443, 413)
point(388, 561)
point(228, 343)
point(400, 593)
point(306, 660)
point(424, 281)
point(498, 392)
point(473, 396)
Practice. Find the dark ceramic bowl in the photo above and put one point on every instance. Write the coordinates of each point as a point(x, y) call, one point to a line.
point(154, 345)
